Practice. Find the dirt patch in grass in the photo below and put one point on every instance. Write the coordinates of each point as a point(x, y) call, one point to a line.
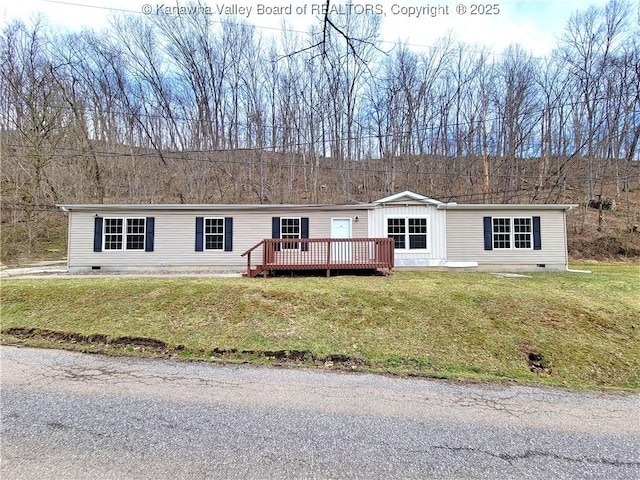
point(100, 343)
point(535, 360)
point(96, 339)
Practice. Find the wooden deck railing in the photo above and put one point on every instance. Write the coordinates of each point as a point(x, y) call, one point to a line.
point(319, 254)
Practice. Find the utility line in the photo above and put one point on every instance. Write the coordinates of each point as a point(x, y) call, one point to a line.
point(355, 166)
point(457, 197)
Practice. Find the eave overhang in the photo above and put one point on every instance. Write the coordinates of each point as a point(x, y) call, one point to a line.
point(210, 207)
point(462, 206)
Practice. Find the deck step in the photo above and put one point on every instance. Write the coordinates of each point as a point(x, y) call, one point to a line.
point(254, 272)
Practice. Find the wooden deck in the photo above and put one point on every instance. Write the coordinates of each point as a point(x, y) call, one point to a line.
point(319, 254)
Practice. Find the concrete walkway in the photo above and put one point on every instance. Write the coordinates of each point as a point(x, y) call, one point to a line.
point(58, 269)
point(36, 268)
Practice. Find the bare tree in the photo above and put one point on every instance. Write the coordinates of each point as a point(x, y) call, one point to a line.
point(35, 113)
point(590, 41)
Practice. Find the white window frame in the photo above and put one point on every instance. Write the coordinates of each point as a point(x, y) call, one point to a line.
point(512, 233)
point(407, 236)
point(530, 233)
point(293, 239)
point(124, 234)
point(204, 233)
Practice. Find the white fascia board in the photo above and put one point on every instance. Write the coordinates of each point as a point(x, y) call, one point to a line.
point(458, 206)
point(209, 207)
point(408, 195)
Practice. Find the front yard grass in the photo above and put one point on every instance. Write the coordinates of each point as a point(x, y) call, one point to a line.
point(569, 329)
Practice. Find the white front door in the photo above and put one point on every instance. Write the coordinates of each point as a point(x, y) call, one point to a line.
point(341, 251)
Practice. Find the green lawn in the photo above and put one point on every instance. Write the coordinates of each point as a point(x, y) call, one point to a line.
point(579, 330)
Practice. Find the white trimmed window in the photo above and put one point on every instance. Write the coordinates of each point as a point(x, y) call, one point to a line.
point(214, 233)
point(522, 233)
point(408, 233)
point(124, 234)
point(512, 233)
point(290, 228)
point(501, 233)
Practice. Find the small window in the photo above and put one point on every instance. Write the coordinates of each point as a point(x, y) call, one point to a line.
point(501, 233)
point(417, 233)
point(214, 233)
point(135, 233)
point(523, 232)
point(396, 230)
point(290, 228)
point(113, 233)
point(124, 233)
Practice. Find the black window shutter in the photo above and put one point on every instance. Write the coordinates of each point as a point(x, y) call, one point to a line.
point(537, 237)
point(199, 234)
point(228, 234)
point(304, 233)
point(488, 234)
point(275, 230)
point(97, 234)
point(149, 234)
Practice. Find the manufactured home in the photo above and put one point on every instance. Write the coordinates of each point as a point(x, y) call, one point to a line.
point(402, 230)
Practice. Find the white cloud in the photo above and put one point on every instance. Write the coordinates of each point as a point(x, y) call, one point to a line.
point(534, 24)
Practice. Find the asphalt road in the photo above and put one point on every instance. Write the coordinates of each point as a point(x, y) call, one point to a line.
point(68, 415)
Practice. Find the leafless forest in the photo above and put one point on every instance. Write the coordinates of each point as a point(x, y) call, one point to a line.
point(165, 109)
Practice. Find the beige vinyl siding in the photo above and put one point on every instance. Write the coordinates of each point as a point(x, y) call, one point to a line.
point(174, 240)
point(465, 236)
point(436, 231)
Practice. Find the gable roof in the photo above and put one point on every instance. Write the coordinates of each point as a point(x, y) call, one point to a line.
point(409, 197)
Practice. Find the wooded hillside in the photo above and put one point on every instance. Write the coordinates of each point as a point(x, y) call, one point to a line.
point(162, 109)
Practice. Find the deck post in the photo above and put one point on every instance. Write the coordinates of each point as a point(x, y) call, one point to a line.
point(328, 243)
point(265, 255)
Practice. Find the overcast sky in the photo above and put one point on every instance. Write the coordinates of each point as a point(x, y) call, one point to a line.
point(534, 24)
